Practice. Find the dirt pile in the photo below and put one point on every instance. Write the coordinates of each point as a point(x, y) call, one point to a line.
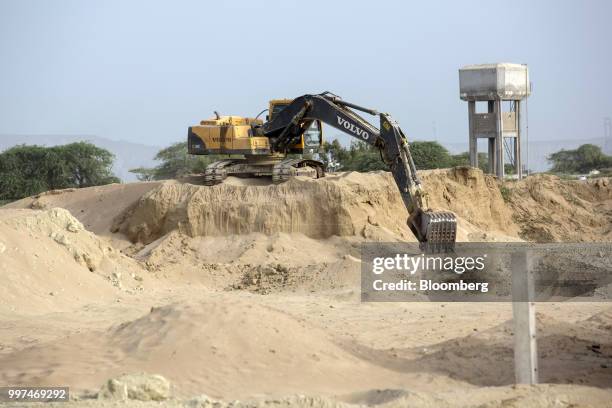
point(549, 209)
point(95, 207)
point(48, 258)
point(333, 206)
point(541, 208)
point(475, 197)
point(208, 345)
point(72, 311)
point(256, 262)
point(559, 346)
point(232, 346)
point(345, 204)
point(305, 234)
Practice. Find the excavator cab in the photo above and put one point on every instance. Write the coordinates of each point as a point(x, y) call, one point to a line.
point(312, 138)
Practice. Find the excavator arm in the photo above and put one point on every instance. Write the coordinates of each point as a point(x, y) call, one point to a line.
point(435, 230)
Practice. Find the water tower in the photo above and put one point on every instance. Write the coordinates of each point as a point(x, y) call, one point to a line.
point(500, 88)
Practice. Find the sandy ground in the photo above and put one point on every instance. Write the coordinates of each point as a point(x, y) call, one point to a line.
point(251, 292)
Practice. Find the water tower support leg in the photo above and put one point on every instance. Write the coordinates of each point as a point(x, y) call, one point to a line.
point(517, 141)
point(499, 141)
point(473, 141)
point(491, 153)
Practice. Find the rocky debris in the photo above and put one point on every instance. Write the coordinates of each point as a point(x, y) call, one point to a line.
point(141, 387)
point(298, 401)
point(74, 226)
point(204, 401)
point(265, 278)
point(402, 399)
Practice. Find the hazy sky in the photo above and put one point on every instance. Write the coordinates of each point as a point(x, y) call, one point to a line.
point(144, 71)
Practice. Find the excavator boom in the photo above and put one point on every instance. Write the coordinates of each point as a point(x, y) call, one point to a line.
point(435, 230)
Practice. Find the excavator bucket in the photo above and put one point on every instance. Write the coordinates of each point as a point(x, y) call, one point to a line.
point(436, 231)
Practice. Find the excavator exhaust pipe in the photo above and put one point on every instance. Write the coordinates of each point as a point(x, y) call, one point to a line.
point(436, 231)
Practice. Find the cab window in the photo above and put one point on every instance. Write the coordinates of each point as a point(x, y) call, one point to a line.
point(276, 109)
point(312, 135)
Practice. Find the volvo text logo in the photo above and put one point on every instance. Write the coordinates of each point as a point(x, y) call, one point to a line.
point(352, 128)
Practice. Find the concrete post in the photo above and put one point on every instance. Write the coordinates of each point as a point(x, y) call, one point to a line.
point(524, 317)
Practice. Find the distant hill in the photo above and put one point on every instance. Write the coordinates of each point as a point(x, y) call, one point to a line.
point(128, 155)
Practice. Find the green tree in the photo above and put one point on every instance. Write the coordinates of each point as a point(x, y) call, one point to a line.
point(430, 155)
point(463, 159)
point(175, 162)
point(144, 173)
point(84, 164)
point(361, 156)
point(28, 170)
point(581, 160)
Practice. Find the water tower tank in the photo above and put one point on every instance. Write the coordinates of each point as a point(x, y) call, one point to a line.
point(502, 86)
point(485, 82)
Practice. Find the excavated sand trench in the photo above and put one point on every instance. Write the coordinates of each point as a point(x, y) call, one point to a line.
point(238, 290)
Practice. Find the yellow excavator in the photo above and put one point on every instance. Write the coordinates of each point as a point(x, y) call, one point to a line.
point(281, 148)
point(234, 135)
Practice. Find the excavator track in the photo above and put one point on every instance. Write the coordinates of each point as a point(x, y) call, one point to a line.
point(215, 173)
point(286, 169)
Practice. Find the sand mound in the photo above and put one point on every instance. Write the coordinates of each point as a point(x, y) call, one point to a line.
point(315, 209)
point(540, 208)
point(549, 209)
point(566, 353)
point(344, 204)
point(68, 316)
point(472, 195)
point(212, 344)
point(94, 207)
point(48, 259)
point(255, 262)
